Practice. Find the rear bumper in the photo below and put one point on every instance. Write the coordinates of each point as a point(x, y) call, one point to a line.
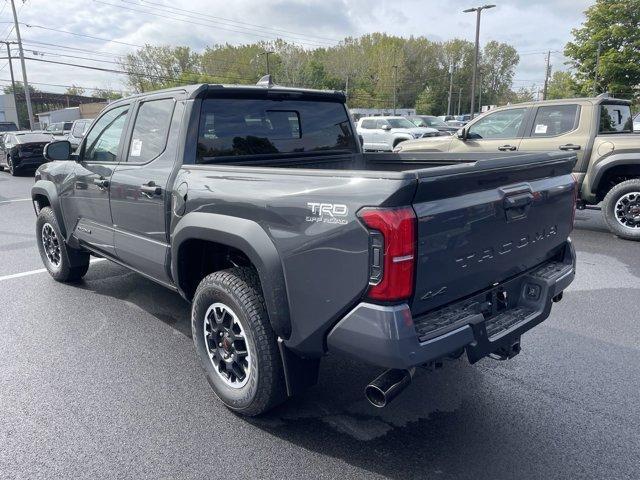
point(389, 336)
point(28, 162)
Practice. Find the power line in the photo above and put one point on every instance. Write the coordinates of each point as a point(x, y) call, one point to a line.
point(192, 22)
point(200, 15)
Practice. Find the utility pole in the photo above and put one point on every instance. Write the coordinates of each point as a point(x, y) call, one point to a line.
point(25, 82)
point(547, 72)
point(595, 80)
point(395, 79)
point(266, 54)
point(450, 88)
point(459, 99)
point(478, 11)
point(479, 91)
point(13, 82)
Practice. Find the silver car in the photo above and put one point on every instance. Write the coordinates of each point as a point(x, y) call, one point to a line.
point(385, 133)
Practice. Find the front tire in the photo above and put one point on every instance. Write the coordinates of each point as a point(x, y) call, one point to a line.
point(64, 264)
point(235, 343)
point(12, 170)
point(621, 209)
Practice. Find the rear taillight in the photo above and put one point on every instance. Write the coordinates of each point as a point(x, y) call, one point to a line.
point(392, 252)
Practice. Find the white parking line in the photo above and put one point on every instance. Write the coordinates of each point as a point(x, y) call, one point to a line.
point(16, 200)
point(34, 272)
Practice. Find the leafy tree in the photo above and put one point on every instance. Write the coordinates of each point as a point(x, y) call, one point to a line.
point(107, 93)
point(20, 89)
point(562, 85)
point(425, 102)
point(75, 90)
point(612, 24)
point(497, 71)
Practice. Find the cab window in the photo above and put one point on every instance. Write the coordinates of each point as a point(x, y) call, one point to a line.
point(503, 124)
point(554, 120)
point(103, 139)
point(615, 119)
point(151, 129)
point(368, 124)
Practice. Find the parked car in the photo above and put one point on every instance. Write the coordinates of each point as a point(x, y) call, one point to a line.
point(21, 151)
point(7, 127)
point(430, 121)
point(78, 129)
point(636, 123)
point(385, 133)
point(599, 130)
point(60, 130)
point(258, 206)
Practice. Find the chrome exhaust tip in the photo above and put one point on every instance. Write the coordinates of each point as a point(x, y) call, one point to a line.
point(384, 388)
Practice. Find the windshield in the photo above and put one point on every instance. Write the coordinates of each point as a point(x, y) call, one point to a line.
point(248, 126)
point(400, 123)
point(8, 127)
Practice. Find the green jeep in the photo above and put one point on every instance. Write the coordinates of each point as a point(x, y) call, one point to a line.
point(599, 130)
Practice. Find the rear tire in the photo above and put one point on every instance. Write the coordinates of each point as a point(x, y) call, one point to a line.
point(229, 317)
point(64, 264)
point(621, 209)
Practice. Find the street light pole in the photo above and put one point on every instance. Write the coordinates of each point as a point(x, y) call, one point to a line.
point(25, 82)
point(450, 88)
point(266, 54)
point(478, 11)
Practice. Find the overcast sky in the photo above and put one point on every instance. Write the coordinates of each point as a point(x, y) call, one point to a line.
point(531, 26)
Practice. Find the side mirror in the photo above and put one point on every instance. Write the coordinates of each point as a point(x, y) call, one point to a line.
point(386, 128)
point(463, 134)
point(58, 150)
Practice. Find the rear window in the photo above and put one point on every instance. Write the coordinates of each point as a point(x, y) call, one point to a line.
point(615, 119)
point(8, 127)
point(247, 127)
point(80, 128)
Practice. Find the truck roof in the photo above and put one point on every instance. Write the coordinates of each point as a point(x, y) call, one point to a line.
point(602, 98)
point(202, 89)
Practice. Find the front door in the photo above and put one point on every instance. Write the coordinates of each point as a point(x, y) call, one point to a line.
point(500, 131)
point(86, 206)
point(140, 195)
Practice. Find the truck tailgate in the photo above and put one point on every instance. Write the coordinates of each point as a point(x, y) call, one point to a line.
point(481, 223)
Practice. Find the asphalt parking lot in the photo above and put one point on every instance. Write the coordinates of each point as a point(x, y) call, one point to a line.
point(99, 380)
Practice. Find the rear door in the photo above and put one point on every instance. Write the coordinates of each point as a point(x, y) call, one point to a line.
point(564, 127)
point(499, 131)
point(140, 196)
point(490, 221)
point(86, 207)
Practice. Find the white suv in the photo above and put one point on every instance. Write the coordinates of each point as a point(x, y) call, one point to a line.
point(385, 133)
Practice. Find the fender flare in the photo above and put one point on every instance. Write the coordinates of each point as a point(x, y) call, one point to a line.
point(251, 239)
point(48, 189)
point(611, 161)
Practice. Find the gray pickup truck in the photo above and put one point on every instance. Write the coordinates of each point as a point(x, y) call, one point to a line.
point(257, 204)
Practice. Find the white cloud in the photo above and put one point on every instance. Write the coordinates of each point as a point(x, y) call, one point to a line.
point(529, 26)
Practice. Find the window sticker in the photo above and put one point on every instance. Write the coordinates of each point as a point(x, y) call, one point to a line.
point(136, 147)
point(541, 129)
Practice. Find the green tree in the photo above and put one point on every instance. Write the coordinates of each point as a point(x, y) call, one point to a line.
point(74, 90)
point(614, 25)
point(562, 85)
point(107, 93)
point(425, 102)
point(497, 68)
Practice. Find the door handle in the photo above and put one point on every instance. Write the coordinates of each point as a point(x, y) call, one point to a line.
point(102, 183)
point(569, 146)
point(507, 148)
point(150, 189)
